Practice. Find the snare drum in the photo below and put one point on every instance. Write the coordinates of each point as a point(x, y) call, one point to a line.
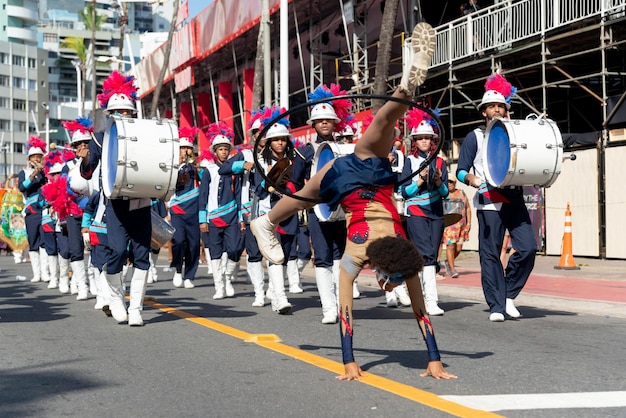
point(452, 212)
point(139, 158)
point(522, 152)
point(162, 231)
point(325, 152)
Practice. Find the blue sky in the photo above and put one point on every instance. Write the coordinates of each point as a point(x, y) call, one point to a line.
point(196, 6)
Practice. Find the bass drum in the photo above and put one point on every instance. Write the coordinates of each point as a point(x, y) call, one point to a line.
point(522, 152)
point(325, 152)
point(139, 158)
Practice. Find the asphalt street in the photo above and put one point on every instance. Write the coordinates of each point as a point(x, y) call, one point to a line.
point(197, 357)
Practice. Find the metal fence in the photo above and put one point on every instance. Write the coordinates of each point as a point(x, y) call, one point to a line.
point(498, 26)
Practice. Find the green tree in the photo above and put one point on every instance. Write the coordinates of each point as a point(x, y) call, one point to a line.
point(78, 46)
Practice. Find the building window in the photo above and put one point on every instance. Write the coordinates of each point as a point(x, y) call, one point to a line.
point(19, 82)
point(32, 104)
point(5, 125)
point(20, 126)
point(32, 85)
point(32, 63)
point(4, 58)
point(19, 148)
point(4, 80)
point(5, 102)
point(19, 104)
point(50, 37)
point(19, 60)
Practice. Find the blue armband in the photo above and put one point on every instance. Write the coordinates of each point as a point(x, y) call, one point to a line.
point(347, 353)
point(443, 189)
point(238, 167)
point(461, 175)
point(86, 220)
point(202, 216)
point(411, 189)
point(26, 183)
point(431, 345)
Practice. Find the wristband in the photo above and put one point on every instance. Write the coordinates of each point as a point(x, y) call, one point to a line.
point(346, 340)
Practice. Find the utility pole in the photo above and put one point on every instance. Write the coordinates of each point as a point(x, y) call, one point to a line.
point(94, 80)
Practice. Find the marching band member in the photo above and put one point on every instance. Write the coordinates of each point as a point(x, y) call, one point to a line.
point(242, 165)
point(54, 240)
point(128, 220)
point(30, 181)
point(184, 207)
point(497, 209)
point(363, 184)
point(423, 198)
point(280, 149)
point(328, 239)
point(219, 208)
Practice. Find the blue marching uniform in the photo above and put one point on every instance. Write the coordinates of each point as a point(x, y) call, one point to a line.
point(424, 207)
point(498, 209)
point(94, 219)
point(220, 197)
point(31, 189)
point(184, 211)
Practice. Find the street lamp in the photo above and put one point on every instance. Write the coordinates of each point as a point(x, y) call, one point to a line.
point(77, 64)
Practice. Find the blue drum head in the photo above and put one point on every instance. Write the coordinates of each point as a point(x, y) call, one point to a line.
point(498, 153)
point(325, 155)
point(111, 159)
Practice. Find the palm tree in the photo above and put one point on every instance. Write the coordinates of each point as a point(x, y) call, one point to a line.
point(166, 59)
point(385, 40)
point(78, 46)
point(87, 16)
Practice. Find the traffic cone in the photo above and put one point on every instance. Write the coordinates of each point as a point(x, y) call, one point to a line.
point(567, 259)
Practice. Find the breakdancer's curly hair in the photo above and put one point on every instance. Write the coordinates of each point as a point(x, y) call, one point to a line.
point(395, 255)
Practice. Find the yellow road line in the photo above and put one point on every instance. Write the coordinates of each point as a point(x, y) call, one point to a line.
point(271, 342)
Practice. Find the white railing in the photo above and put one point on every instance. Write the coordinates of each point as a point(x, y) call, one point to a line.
point(498, 26)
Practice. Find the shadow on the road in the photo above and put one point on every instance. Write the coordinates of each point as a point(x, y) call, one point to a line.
point(20, 305)
point(21, 387)
point(531, 312)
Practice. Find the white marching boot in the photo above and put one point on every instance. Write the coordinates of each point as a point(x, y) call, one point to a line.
point(137, 292)
point(356, 294)
point(391, 299)
point(80, 275)
point(280, 303)
point(229, 270)
point(35, 265)
point(429, 286)
point(256, 273)
point(43, 260)
point(293, 276)
point(207, 255)
point(328, 296)
point(64, 277)
point(301, 263)
point(152, 272)
point(102, 295)
point(53, 266)
point(218, 278)
point(117, 304)
point(402, 294)
point(92, 273)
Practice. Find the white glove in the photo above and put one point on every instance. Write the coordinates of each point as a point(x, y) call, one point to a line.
point(86, 240)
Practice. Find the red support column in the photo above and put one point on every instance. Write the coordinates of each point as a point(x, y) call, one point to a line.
point(186, 115)
point(204, 118)
point(225, 103)
point(248, 92)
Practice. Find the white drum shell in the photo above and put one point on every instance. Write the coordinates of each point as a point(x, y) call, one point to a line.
point(325, 152)
point(139, 158)
point(452, 206)
point(522, 152)
point(77, 183)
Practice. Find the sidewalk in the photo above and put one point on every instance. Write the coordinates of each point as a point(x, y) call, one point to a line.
point(598, 288)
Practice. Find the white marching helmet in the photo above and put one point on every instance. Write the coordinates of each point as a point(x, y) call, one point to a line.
point(322, 111)
point(220, 140)
point(78, 184)
point(35, 151)
point(492, 96)
point(256, 125)
point(120, 102)
point(277, 130)
point(424, 128)
point(347, 131)
point(56, 168)
point(79, 136)
point(185, 142)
